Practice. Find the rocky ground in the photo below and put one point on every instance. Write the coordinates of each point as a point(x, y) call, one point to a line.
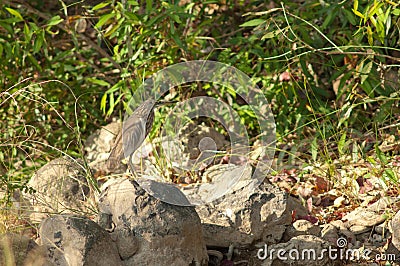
point(123, 225)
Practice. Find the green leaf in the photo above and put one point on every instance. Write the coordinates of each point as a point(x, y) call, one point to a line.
point(248, 112)
point(33, 26)
point(366, 69)
point(34, 61)
point(305, 69)
point(391, 175)
point(357, 13)
point(341, 143)
point(355, 9)
point(27, 33)
point(373, 21)
point(111, 30)
point(350, 17)
point(381, 156)
point(131, 16)
point(125, 74)
point(55, 21)
point(388, 20)
point(15, 13)
point(104, 19)
point(149, 6)
point(355, 5)
point(177, 40)
point(37, 45)
point(101, 5)
point(135, 56)
point(7, 27)
point(103, 103)
point(176, 18)
point(314, 149)
point(115, 87)
point(369, 34)
point(345, 115)
point(253, 22)
point(172, 28)
point(271, 34)
point(366, 86)
point(329, 18)
point(99, 82)
point(112, 105)
point(380, 29)
point(375, 8)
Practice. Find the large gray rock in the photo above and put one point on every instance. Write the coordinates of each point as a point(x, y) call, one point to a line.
point(61, 187)
point(72, 240)
point(301, 227)
point(242, 218)
point(366, 217)
point(160, 233)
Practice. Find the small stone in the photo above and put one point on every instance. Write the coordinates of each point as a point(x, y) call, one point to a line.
point(363, 217)
point(301, 227)
point(382, 204)
point(306, 226)
point(359, 229)
point(377, 238)
point(339, 202)
point(338, 224)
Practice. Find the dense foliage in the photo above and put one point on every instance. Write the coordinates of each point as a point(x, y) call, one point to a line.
point(329, 69)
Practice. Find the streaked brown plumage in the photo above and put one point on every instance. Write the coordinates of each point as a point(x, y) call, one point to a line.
point(134, 131)
point(142, 117)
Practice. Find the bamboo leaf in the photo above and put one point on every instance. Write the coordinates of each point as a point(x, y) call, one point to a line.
point(55, 21)
point(314, 149)
point(101, 5)
point(253, 23)
point(104, 19)
point(15, 13)
point(341, 143)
